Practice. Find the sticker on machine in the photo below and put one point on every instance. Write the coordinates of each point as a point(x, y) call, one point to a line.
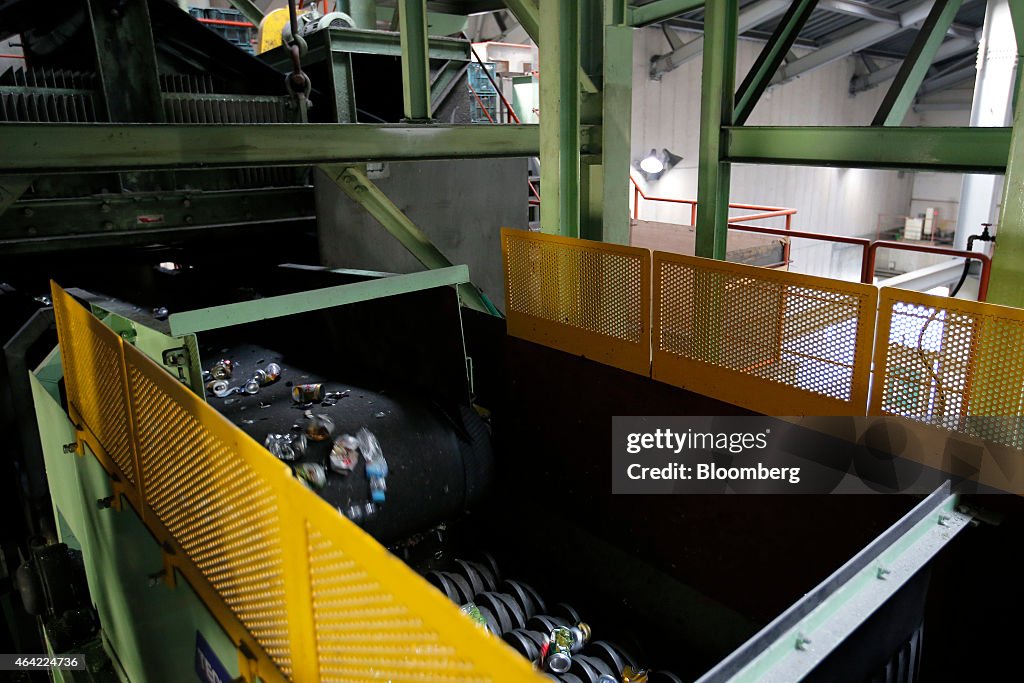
point(208, 667)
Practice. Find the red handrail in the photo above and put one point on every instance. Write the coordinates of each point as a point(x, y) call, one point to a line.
point(225, 22)
point(869, 248)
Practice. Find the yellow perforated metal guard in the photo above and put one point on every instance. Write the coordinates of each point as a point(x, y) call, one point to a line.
point(587, 298)
point(306, 594)
point(954, 364)
point(762, 339)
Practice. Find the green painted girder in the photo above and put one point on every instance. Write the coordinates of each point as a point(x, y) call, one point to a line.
point(972, 150)
point(617, 112)
point(1006, 285)
point(901, 93)
point(240, 313)
point(251, 11)
point(445, 80)
point(45, 224)
point(659, 10)
point(360, 189)
point(721, 27)
point(770, 59)
point(528, 14)
point(560, 118)
point(30, 149)
point(412, 20)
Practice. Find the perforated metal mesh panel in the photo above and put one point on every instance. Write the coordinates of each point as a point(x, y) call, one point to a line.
point(587, 298)
point(218, 509)
point(762, 338)
point(309, 594)
point(94, 376)
point(954, 364)
point(347, 601)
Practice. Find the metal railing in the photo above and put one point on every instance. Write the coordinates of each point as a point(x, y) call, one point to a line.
point(869, 247)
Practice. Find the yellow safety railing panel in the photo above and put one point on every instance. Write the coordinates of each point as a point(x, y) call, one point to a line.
point(762, 339)
point(951, 363)
point(586, 298)
point(306, 594)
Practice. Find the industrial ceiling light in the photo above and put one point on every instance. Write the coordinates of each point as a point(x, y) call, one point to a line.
point(651, 163)
point(656, 164)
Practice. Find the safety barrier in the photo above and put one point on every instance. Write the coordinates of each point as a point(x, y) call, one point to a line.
point(306, 594)
point(587, 298)
point(762, 338)
point(773, 341)
point(951, 363)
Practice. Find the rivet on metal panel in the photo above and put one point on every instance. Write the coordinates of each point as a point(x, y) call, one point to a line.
point(71, 447)
point(802, 642)
point(882, 573)
point(105, 503)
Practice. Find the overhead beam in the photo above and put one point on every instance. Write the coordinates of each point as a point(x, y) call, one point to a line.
point(32, 149)
point(854, 42)
point(880, 14)
point(950, 48)
point(947, 80)
point(750, 17)
point(971, 150)
point(772, 55)
point(897, 101)
point(660, 10)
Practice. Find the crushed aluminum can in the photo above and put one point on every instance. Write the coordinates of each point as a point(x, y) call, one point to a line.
point(252, 387)
point(218, 387)
point(608, 678)
point(286, 447)
point(272, 373)
point(344, 454)
point(634, 675)
point(312, 474)
point(318, 427)
point(222, 369)
point(563, 643)
point(307, 393)
point(373, 456)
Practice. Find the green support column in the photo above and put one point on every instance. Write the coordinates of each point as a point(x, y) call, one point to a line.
point(915, 65)
point(617, 112)
point(353, 181)
point(412, 19)
point(1006, 286)
point(251, 11)
point(770, 59)
point(716, 111)
point(559, 118)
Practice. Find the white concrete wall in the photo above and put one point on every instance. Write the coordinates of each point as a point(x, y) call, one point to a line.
point(842, 201)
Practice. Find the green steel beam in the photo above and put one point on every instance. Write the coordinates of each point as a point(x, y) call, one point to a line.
point(617, 112)
point(389, 43)
point(353, 181)
point(559, 119)
point(528, 14)
point(343, 86)
point(659, 10)
point(41, 224)
point(228, 315)
point(772, 55)
point(932, 33)
point(58, 148)
point(11, 189)
point(412, 20)
point(973, 150)
point(251, 11)
point(445, 80)
point(1006, 285)
point(717, 88)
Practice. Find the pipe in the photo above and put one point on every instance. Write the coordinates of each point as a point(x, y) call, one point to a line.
point(868, 272)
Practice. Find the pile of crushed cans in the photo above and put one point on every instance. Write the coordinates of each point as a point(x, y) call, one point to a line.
point(218, 384)
point(346, 449)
